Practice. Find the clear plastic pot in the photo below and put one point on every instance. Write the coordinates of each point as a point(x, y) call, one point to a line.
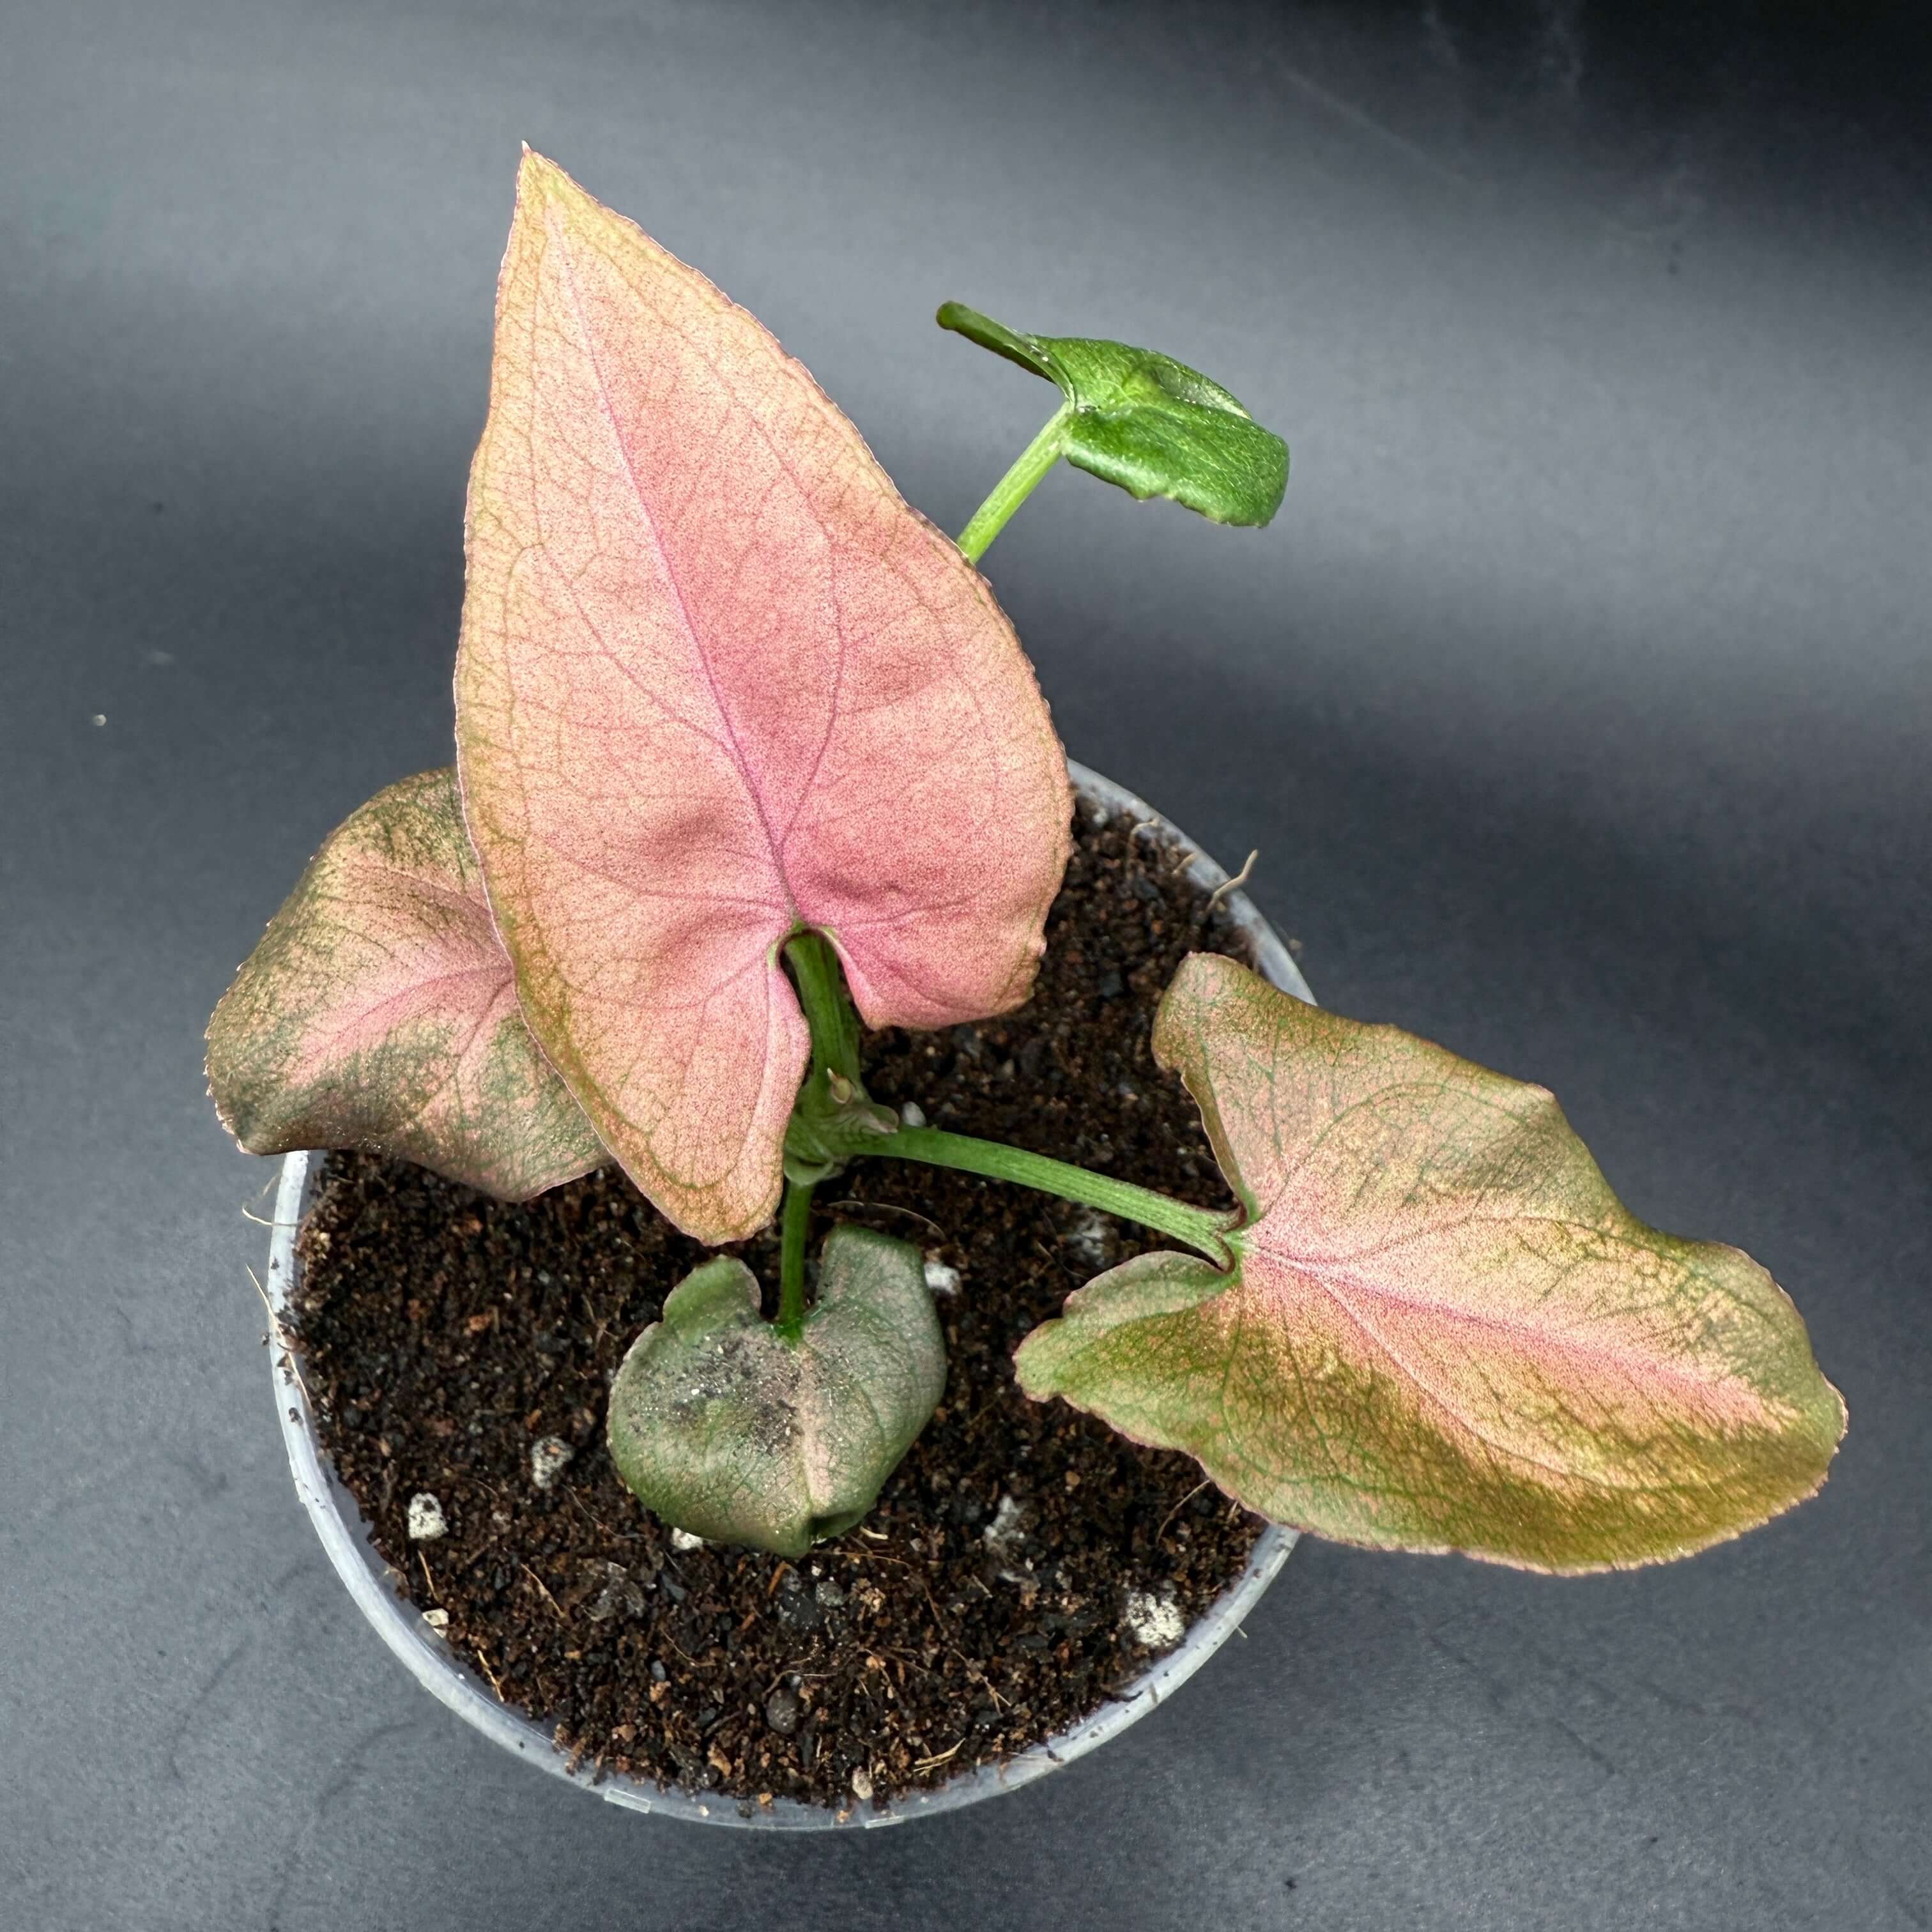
point(434, 1665)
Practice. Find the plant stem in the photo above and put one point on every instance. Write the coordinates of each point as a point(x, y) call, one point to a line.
point(1013, 489)
point(834, 1051)
point(1201, 1229)
point(796, 1225)
point(828, 1006)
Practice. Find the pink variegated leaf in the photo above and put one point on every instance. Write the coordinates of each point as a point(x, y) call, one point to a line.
point(1442, 1330)
point(380, 1012)
point(719, 683)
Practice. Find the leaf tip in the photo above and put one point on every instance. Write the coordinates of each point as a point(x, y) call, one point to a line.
point(541, 183)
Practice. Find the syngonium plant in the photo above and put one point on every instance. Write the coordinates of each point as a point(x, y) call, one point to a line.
point(746, 753)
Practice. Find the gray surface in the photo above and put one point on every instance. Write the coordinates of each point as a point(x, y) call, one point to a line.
point(1578, 702)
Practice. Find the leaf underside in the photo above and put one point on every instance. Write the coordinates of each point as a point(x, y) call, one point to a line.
point(379, 1011)
point(1142, 421)
point(728, 1430)
point(717, 683)
point(1443, 1331)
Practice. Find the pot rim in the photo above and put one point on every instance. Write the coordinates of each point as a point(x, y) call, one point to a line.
point(430, 1660)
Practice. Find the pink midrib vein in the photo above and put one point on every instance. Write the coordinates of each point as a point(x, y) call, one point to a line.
point(1330, 1275)
point(738, 760)
point(370, 1015)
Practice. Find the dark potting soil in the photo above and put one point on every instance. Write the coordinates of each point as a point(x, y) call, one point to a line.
point(459, 1348)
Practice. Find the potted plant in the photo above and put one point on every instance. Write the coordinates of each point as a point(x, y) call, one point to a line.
point(658, 1320)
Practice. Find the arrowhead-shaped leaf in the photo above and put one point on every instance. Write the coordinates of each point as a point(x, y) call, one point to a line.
point(379, 1011)
point(717, 682)
point(1443, 1331)
point(727, 1429)
point(1143, 421)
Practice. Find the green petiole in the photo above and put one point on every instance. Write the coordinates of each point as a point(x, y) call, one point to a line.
point(850, 1128)
point(828, 1006)
point(1013, 489)
point(794, 1228)
point(1202, 1229)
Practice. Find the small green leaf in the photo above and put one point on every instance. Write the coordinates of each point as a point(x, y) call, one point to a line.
point(1443, 1330)
point(1142, 421)
point(728, 1430)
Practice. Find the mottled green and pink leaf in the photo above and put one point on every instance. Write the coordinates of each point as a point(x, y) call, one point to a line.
point(379, 1011)
point(717, 683)
point(730, 1429)
point(1443, 1330)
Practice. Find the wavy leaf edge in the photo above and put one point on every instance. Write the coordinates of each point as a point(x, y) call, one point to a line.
point(1313, 1389)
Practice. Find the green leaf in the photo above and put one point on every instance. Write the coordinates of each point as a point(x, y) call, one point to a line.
point(1140, 420)
point(727, 1429)
point(379, 1011)
point(1443, 1330)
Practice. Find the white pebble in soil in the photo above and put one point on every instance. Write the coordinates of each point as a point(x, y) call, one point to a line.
point(912, 1115)
point(941, 1278)
point(683, 1540)
point(1005, 1537)
point(861, 1785)
point(1155, 1623)
point(1091, 1236)
point(427, 1520)
point(1007, 1532)
point(548, 1454)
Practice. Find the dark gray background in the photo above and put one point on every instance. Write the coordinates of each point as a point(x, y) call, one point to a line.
point(1578, 702)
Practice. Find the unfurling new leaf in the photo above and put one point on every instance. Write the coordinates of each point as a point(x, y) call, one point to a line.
point(728, 1429)
point(1443, 1330)
point(1142, 421)
point(717, 684)
point(378, 1012)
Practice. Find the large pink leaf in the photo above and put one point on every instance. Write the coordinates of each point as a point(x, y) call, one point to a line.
point(1443, 1330)
point(718, 683)
point(379, 1011)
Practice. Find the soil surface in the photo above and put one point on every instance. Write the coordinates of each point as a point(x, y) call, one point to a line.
point(1022, 1564)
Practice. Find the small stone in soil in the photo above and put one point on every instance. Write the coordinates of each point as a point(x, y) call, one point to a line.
point(912, 1115)
point(1154, 1622)
point(1091, 1237)
point(861, 1785)
point(548, 1455)
point(940, 1279)
point(781, 1711)
point(437, 1620)
point(1006, 1533)
point(427, 1521)
point(796, 1610)
point(683, 1540)
point(623, 1596)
